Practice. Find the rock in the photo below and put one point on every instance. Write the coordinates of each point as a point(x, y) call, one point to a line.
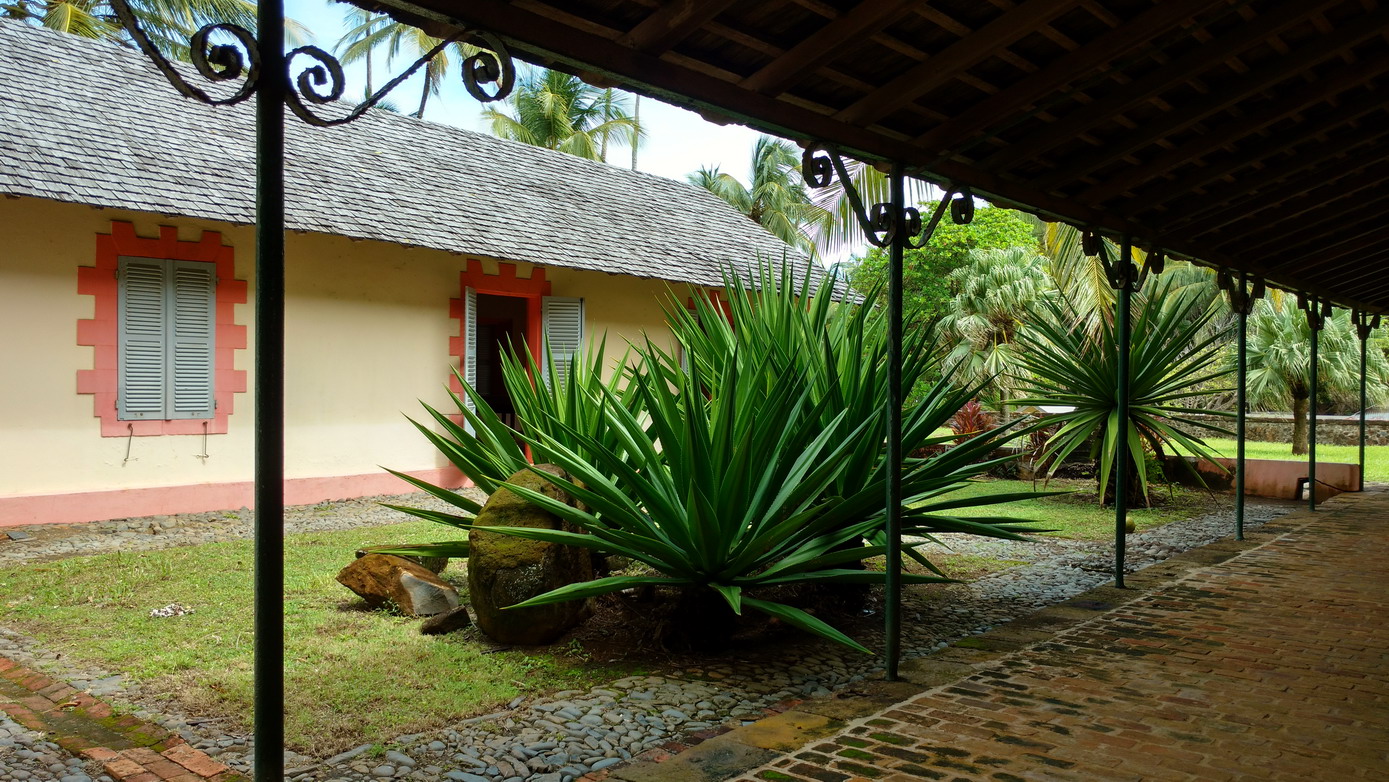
point(447, 622)
point(382, 579)
point(435, 565)
point(505, 570)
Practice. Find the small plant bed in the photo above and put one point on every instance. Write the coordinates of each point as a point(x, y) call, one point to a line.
point(1078, 515)
point(352, 676)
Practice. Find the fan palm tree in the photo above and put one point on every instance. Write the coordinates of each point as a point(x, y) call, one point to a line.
point(168, 23)
point(371, 31)
point(776, 200)
point(558, 111)
point(993, 291)
point(1280, 361)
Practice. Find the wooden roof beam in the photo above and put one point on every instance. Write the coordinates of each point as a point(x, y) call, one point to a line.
point(1252, 185)
point(1328, 196)
point(1315, 226)
point(1311, 95)
point(672, 23)
point(952, 136)
point(1368, 278)
point(1367, 234)
point(1231, 204)
point(969, 51)
point(1164, 192)
point(1160, 80)
point(798, 62)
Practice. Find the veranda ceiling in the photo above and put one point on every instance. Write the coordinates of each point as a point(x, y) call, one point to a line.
point(1244, 133)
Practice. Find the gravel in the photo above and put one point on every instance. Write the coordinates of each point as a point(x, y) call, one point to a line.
point(565, 735)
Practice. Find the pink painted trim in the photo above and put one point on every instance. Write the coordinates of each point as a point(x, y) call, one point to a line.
point(80, 507)
point(503, 283)
point(101, 330)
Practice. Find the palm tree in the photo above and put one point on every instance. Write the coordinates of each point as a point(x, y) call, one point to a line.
point(839, 231)
point(994, 289)
point(776, 200)
point(168, 23)
point(371, 31)
point(1280, 361)
point(558, 111)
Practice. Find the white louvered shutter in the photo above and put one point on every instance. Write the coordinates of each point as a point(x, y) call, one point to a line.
point(562, 318)
point(143, 305)
point(470, 343)
point(192, 335)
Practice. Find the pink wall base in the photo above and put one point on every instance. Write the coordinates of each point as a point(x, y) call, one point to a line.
point(1279, 479)
point(162, 500)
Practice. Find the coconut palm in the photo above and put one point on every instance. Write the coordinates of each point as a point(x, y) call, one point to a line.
point(776, 199)
point(839, 231)
point(371, 31)
point(168, 23)
point(993, 291)
point(1280, 360)
point(558, 111)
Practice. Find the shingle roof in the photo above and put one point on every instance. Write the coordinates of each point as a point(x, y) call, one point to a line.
point(94, 123)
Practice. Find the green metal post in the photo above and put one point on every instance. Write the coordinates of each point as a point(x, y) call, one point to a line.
point(892, 616)
point(1241, 402)
point(269, 413)
point(1123, 304)
point(1312, 315)
point(1364, 402)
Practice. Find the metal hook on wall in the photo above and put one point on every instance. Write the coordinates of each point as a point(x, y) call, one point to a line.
point(129, 441)
point(204, 455)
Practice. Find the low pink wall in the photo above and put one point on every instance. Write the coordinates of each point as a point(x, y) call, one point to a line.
point(1279, 479)
point(163, 500)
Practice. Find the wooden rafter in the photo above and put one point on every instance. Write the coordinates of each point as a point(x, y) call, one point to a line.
point(1270, 155)
point(1323, 225)
point(1160, 80)
point(672, 23)
point(1331, 196)
point(1236, 129)
point(969, 51)
point(1033, 89)
point(1274, 185)
point(863, 19)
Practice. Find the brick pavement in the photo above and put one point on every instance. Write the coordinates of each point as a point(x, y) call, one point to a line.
point(1269, 665)
point(129, 749)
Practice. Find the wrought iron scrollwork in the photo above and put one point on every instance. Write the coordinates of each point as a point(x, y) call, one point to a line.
point(1316, 308)
point(489, 67)
point(316, 84)
point(1243, 292)
point(1364, 323)
point(1121, 272)
point(213, 61)
point(821, 163)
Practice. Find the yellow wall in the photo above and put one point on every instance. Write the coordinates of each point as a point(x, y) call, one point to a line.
point(367, 336)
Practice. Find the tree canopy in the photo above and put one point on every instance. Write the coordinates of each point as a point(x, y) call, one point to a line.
point(926, 285)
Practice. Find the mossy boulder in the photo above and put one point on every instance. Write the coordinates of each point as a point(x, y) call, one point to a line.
point(505, 570)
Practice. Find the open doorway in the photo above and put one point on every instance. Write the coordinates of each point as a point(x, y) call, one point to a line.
point(501, 326)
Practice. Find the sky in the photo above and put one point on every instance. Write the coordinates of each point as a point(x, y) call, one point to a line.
point(679, 142)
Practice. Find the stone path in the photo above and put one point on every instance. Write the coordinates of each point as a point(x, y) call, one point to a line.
point(1262, 660)
point(121, 748)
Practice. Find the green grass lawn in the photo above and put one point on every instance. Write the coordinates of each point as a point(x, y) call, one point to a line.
point(1376, 456)
point(352, 676)
point(1078, 515)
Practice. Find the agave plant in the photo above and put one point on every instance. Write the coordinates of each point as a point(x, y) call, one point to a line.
point(758, 464)
point(1169, 361)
